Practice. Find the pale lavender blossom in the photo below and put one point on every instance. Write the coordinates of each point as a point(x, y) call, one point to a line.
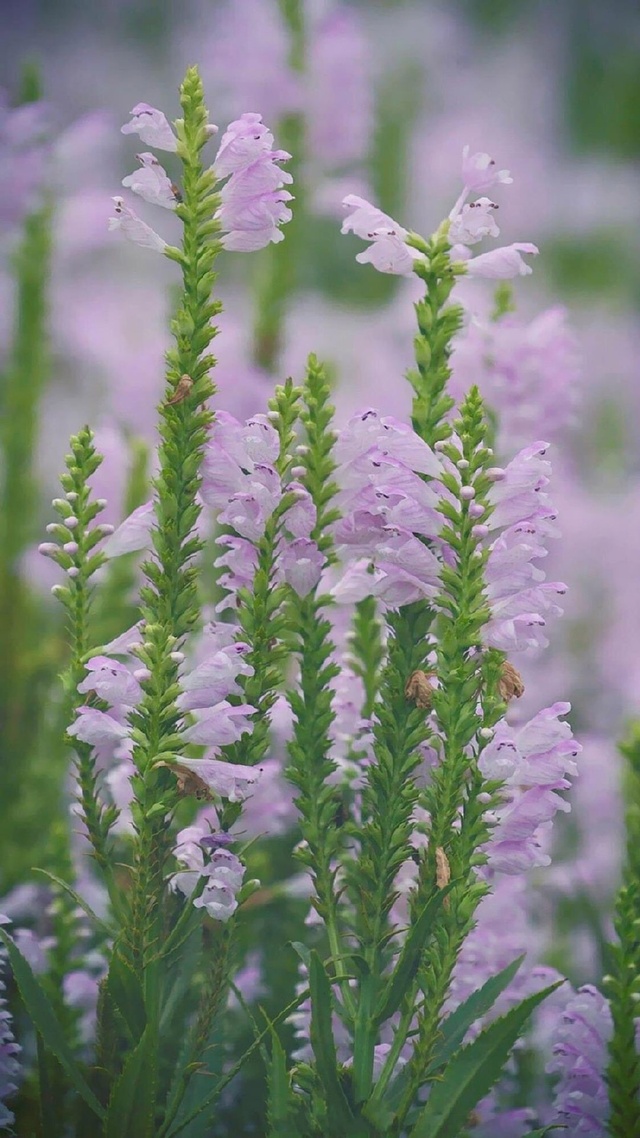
point(535, 762)
point(95, 727)
point(479, 172)
point(253, 200)
point(526, 371)
point(475, 221)
point(152, 126)
point(301, 564)
point(339, 95)
point(133, 534)
point(215, 678)
point(580, 1057)
point(111, 681)
point(388, 252)
point(152, 183)
point(503, 263)
point(134, 228)
point(220, 725)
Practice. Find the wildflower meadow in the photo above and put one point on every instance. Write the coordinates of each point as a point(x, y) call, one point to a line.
point(319, 564)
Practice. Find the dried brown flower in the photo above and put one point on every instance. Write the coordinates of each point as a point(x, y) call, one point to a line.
point(183, 388)
point(419, 689)
point(510, 683)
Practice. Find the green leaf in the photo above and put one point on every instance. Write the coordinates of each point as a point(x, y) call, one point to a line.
point(130, 1112)
point(279, 1114)
point(339, 1115)
point(182, 1123)
point(409, 960)
point(44, 1019)
point(302, 951)
point(473, 1071)
point(106, 930)
point(454, 1028)
point(124, 990)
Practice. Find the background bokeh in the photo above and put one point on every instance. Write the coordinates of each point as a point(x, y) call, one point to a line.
point(379, 98)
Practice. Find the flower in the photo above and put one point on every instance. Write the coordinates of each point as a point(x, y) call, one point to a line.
point(111, 681)
point(580, 1057)
point(533, 761)
point(152, 127)
point(152, 182)
point(474, 221)
point(389, 252)
point(253, 200)
point(502, 264)
point(133, 534)
point(479, 172)
point(134, 228)
point(301, 564)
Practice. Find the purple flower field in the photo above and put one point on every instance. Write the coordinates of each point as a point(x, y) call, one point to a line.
point(319, 684)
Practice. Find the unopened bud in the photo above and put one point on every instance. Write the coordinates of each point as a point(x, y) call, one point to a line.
point(476, 510)
point(495, 473)
point(298, 471)
point(273, 416)
point(71, 496)
point(101, 503)
point(467, 493)
point(177, 657)
point(70, 547)
point(483, 798)
point(462, 464)
point(486, 733)
point(439, 446)
point(48, 549)
point(478, 532)
point(71, 522)
point(73, 571)
point(105, 528)
point(302, 449)
point(510, 683)
point(141, 674)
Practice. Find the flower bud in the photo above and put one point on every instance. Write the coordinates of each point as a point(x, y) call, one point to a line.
point(71, 522)
point(495, 473)
point(70, 547)
point(467, 493)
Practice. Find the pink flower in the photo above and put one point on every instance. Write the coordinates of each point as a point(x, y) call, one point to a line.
point(96, 727)
point(474, 222)
point(133, 534)
point(301, 563)
point(502, 264)
point(152, 127)
point(111, 681)
point(152, 182)
point(389, 252)
point(241, 145)
point(220, 725)
point(219, 901)
point(215, 678)
point(479, 172)
point(134, 228)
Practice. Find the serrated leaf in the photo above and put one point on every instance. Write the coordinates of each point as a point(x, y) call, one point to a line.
point(44, 1019)
point(130, 1110)
point(454, 1028)
point(339, 1115)
point(123, 988)
point(278, 1110)
point(473, 1071)
point(409, 960)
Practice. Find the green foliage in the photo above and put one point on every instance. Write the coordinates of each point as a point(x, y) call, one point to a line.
point(622, 985)
point(44, 1020)
point(472, 1072)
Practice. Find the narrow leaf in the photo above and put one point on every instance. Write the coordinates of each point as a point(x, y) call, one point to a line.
point(409, 960)
point(339, 1114)
point(473, 1071)
point(454, 1028)
point(123, 988)
point(278, 1111)
point(44, 1019)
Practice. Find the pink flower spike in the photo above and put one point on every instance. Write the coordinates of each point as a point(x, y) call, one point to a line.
point(152, 127)
point(152, 183)
point(502, 264)
point(479, 172)
point(134, 228)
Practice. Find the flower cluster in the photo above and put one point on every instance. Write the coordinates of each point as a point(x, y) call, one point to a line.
point(580, 1058)
point(239, 479)
point(469, 222)
point(533, 762)
point(210, 719)
point(205, 855)
point(252, 200)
